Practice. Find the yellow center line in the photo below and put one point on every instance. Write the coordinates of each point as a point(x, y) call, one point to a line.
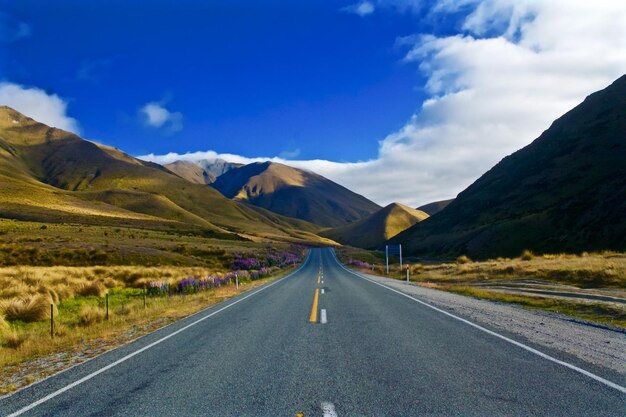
point(313, 316)
point(318, 279)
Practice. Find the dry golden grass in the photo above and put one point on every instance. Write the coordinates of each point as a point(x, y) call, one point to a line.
point(595, 270)
point(64, 282)
point(463, 259)
point(97, 289)
point(80, 325)
point(588, 271)
point(89, 315)
point(12, 339)
point(28, 309)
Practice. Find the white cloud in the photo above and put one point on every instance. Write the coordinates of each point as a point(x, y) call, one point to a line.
point(157, 116)
point(362, 9)
point(35, 103)
point(493, 88)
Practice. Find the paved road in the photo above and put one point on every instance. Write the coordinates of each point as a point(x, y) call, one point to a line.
point(378, 354)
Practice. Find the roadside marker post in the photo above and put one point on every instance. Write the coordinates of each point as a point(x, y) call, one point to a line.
point(144, 297)
point(237, 280)
point(51, 321)
point(407, 272)
point(107, 306)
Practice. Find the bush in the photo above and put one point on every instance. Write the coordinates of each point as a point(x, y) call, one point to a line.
point(527, 255)
point(94, 288)
point(463, 260)
point(29, 309)
point(89, 315)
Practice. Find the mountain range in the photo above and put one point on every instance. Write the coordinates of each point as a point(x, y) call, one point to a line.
point(295, 193)
point(51, 175)
point(565, 192)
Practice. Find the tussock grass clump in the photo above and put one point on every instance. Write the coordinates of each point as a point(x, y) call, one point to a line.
point(29, 309)
point(416, 268)
point(12, 339)
point(3, 323)
point(124, 310)
point(527, 255)
point(463, 259)
point(93, 288)
point(89, 315)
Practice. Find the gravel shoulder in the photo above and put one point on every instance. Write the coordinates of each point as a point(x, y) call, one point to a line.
point(600, 346)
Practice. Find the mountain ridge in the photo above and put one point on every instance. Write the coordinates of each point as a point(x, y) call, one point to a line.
point(562, 193)
point(294, 193)
point(89, 182)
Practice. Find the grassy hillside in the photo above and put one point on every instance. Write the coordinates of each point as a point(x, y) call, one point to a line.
point(436, 207)
point(562, 193)
point(51, 175)
point(294, 193)
point(372, 231)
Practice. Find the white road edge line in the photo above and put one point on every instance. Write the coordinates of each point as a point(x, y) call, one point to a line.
point(323, 319)
point(328, 409)
point(498, 335)
point(143, 349)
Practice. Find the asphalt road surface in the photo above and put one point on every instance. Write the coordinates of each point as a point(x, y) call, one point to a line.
point(355, 349)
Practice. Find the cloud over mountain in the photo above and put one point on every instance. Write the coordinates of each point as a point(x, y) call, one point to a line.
point(493, 87)
point(37, 104)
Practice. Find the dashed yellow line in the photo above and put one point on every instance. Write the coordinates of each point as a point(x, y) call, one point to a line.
point(313, 316)
point(318, 279)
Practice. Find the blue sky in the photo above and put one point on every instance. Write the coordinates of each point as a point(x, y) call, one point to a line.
point(252, 78)
point(398, 100)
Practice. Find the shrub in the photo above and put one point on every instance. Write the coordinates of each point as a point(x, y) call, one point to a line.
point(93, 288)
point(245, 263)
point(12, 339)
point(29, 309)
point(359, 263)
point(124, 310)
point(89, 315)
point(527, 255)
point(463, 259)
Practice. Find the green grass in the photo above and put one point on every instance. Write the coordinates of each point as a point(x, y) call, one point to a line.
point(29, 243)
point(596, 312)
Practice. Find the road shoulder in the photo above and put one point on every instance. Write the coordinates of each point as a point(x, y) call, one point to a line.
point(600, 346)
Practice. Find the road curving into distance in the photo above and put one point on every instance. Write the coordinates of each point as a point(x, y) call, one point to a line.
point(324, 341)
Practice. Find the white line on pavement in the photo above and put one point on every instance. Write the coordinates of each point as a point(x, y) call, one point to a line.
point(498, 335)
point(143, 349)
point(322, 290)
point(328, 409)
point(323, 319)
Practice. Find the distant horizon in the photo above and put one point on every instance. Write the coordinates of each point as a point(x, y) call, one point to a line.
point(399, 101)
